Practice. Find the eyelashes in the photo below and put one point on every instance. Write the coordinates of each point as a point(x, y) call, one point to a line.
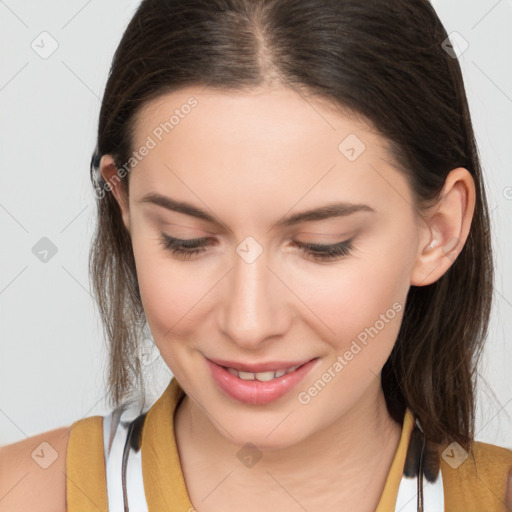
point(325, 252)
point(186, 249)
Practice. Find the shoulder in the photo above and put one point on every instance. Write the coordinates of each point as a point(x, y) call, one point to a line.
point(33, 473)
point(483, 476)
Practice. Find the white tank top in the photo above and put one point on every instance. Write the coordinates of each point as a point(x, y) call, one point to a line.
point(116, 426)
point(115, 431)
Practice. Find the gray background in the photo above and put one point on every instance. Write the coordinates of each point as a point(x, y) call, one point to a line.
point(52, 351)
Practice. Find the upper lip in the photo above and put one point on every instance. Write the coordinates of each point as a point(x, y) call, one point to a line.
point(259, 367)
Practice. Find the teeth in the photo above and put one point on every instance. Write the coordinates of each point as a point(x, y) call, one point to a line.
point(246, 375)
point(261, 376)
point(265, 376)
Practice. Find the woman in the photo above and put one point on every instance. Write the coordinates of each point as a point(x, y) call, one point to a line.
point(289, 194)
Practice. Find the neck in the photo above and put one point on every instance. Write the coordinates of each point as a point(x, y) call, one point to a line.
point(345, 463)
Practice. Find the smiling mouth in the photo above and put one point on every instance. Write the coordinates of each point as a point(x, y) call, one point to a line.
point(259, 388)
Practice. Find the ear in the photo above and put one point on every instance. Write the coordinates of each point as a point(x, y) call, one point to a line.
point(446, 228)
point(108, 170)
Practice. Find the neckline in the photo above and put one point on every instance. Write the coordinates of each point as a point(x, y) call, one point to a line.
point(164, 483)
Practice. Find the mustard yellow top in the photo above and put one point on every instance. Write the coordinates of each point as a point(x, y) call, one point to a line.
point(480, 484)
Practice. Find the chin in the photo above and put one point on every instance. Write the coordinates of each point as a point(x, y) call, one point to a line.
point(274, 435)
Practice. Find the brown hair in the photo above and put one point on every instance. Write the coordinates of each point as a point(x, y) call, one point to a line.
point(383, 60)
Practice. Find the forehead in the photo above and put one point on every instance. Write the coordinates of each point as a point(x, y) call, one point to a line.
point(265, 142)
point(255, 116)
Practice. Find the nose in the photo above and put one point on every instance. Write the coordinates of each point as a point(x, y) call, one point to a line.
point(256, 303)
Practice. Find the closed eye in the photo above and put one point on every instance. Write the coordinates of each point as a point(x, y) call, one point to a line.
point(191, 247)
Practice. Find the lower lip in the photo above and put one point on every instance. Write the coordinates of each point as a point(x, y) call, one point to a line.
point(255, 392)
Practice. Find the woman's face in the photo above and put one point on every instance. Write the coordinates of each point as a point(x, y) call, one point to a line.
point(253, 164)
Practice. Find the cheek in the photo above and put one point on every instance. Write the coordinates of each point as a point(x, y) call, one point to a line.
point(363, 307)
point(359, 302)
point(358, 291)
point(168, 292)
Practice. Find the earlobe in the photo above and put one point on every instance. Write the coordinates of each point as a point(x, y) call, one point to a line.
point(108, 170)
point(446, 228)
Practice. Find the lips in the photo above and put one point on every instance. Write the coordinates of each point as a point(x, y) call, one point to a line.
point(256, 392)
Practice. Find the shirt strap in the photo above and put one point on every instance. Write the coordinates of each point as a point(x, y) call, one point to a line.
point(86, 487)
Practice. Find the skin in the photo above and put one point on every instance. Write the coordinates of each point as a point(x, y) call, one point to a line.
point(26, 484)
point(250, 158)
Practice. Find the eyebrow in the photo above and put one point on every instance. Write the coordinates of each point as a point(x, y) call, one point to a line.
point(327, 211)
